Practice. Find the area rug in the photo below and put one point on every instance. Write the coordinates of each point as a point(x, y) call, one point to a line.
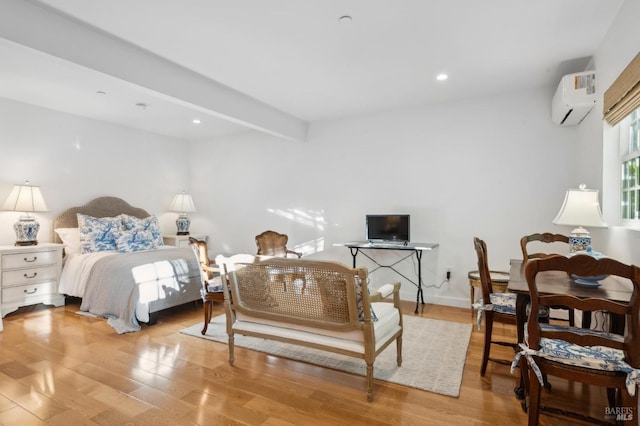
point(433, 353)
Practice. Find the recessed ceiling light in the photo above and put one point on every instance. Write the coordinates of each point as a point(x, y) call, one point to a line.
point(442, 77)
point(196, 121)
point(344, 19)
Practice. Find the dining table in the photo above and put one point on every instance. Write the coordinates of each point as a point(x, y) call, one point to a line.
point(559, 282)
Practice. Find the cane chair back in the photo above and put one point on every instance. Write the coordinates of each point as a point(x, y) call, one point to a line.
point(271, 243)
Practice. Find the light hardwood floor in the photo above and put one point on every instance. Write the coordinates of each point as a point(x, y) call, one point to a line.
point(57, 367)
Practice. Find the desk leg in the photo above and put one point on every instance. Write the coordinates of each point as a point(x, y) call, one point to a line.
point(419, 295)
point(354, 253)
point(521, 318)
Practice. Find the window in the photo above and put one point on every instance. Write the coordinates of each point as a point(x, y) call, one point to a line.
point(621, 108)
point(630, 166)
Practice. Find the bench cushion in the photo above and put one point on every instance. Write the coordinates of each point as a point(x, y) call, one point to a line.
point(388, 324)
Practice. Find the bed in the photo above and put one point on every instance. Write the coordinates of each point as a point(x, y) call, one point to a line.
point(134, 276)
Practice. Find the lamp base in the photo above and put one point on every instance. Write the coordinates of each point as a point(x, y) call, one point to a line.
point(26, 229)
point(579, 240)
point(183, 222)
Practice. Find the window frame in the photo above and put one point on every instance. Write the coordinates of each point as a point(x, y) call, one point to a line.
point(629, 183)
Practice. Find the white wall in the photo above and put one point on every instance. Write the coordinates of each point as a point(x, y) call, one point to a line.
point(495, 167)
point(74, 160)
point(597, 140)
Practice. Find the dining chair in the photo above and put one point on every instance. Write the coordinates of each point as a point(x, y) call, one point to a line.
point(211, 290)
point(499, 307)
point(271, 243)
point(546, 238)
point(591, 357)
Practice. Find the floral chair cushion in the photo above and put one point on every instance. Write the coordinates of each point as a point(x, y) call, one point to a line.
point(594, 357)
point(504, 303)
point(499, 302)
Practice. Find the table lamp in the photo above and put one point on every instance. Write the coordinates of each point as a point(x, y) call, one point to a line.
point(580, 208)
point(183, 204)
point(26, 198)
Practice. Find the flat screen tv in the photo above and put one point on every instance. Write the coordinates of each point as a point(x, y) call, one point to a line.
point(388, 227)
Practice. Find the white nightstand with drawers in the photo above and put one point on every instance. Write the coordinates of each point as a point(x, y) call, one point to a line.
point(181, 240)
point(30, 275)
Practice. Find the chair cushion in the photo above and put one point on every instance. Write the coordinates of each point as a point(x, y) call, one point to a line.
point(503, 302)
point(214, 285)
point(593, 357)
point(499, 302)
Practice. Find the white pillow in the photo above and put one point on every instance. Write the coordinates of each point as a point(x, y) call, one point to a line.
point(70, 238)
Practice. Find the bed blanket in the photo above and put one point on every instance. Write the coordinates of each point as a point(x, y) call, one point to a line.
point(118, 286)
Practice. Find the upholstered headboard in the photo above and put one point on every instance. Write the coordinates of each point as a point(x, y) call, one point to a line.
point(99, 207)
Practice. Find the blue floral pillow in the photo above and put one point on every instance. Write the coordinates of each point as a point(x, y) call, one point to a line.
point(97, 234)
point(134, 240)
point(150, 224)
point(359, 289)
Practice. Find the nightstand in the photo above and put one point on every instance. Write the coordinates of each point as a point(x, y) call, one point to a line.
point(30, 276)
point(181, 240)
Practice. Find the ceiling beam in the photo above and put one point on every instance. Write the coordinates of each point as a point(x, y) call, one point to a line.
point(44, 29)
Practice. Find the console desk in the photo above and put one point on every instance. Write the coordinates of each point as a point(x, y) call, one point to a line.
point(415, 248)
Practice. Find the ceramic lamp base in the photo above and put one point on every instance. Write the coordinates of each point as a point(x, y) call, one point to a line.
point(183, 222)
point(579, 240)
point(26, 230)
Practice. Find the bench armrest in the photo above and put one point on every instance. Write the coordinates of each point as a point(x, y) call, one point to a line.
point(215, 269)
point(384, 291)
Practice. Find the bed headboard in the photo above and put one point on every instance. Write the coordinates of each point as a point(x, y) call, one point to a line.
point(99, 207)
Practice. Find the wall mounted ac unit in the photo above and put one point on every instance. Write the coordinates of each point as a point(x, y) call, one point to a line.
point(574, 98)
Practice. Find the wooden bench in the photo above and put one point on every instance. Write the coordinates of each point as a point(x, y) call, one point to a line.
point(318, 304)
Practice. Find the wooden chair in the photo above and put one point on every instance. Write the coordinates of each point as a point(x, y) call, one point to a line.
point(210, 278)
point(543, 238)
point(500, 307)
point(616, 358)
point(271, 243)
point(547, 238)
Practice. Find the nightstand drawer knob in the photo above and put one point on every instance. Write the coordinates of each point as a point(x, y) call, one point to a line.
point(31, 292)
point(32, 260)
point(31, 276)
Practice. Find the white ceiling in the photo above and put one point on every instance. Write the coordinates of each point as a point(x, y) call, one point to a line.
point(294, 60)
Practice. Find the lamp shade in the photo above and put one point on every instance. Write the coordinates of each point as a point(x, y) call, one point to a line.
point(25, 198)
point(182, 203)
point(581, 208)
